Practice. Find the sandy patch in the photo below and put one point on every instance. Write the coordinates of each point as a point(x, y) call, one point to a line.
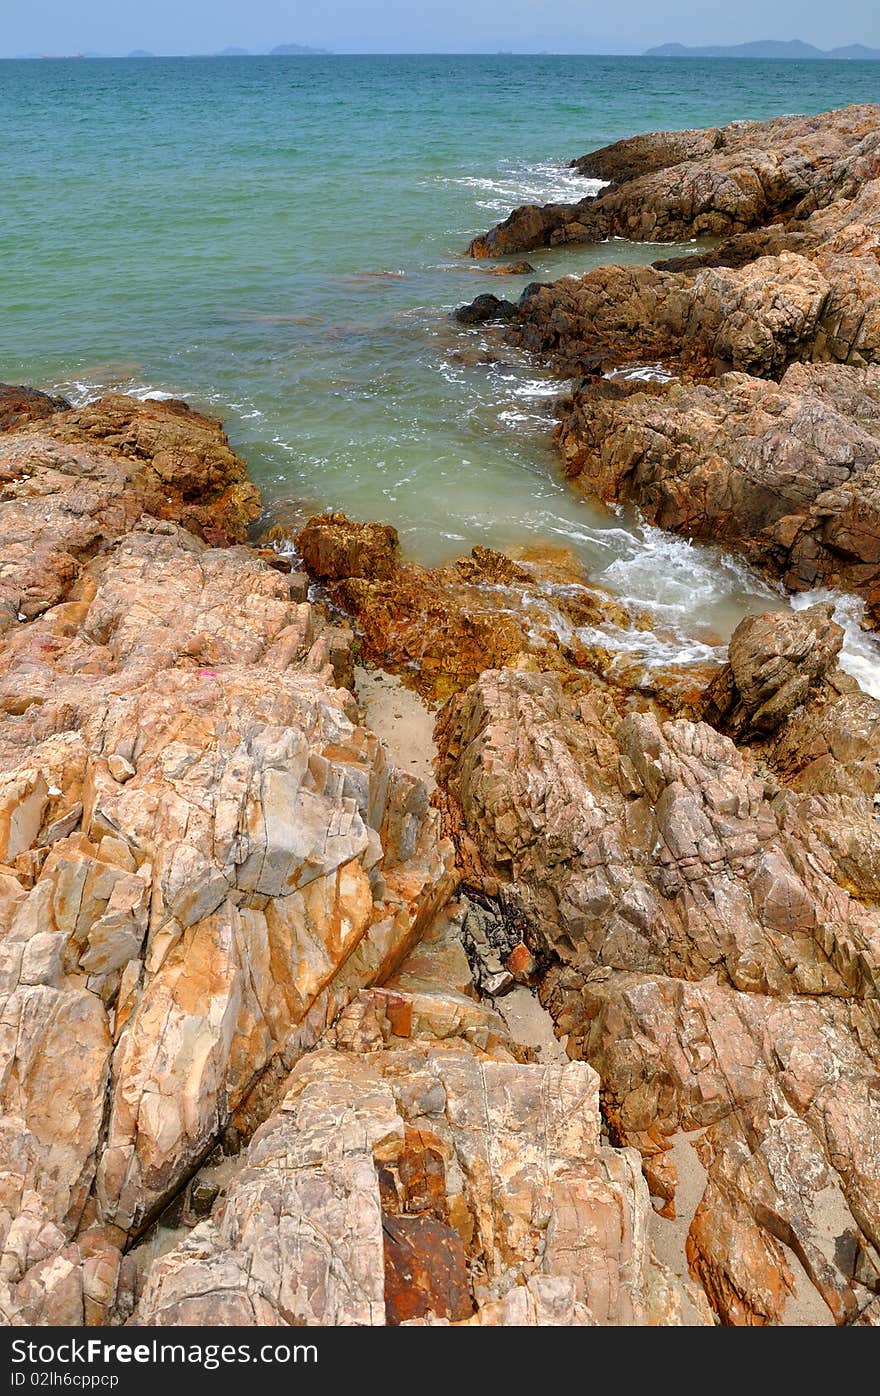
point(400, 719)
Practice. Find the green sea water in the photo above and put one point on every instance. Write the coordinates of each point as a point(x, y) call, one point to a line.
point(280, 241)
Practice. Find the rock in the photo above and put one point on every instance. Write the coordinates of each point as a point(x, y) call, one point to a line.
point(425, 1271)
point(206, 857)
point(439, 627)
point(756, 319)
point(675, 185)
point(391, 1181)
point(785, 472)
point(522, 964)
point(21, 405)
point(484, 308)
point(775, 660)
point(333, 548)
point(707, 956)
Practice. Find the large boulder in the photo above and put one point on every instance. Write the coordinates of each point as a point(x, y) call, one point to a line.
point(708, 958)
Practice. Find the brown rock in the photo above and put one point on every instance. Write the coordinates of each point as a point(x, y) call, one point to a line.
point(787, 472)
point(333, 548)
point(21, 405)
point(675, 185)
point(709, 959)
point(775, 661)
point(440, 627)
point(425, 1271)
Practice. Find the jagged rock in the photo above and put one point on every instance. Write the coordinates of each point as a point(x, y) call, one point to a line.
point(82, 478)
point(440, 627)
point(675, 185)
point(19, 405)
point(774, 662)
point(206, 858)
point(710, 963)
point(422, 1185)
point(814, 727)
point(333, 547)
point(787, 472)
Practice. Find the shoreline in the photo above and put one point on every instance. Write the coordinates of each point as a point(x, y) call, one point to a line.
point(312, 995)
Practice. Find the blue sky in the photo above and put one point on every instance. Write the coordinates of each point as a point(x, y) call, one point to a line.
point(572, 26)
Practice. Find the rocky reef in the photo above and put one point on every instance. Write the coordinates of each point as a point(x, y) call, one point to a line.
point(227, 948)
point(588, 1035)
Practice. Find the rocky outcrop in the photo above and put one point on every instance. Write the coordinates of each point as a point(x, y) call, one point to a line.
point(775, 663)
point(440, 627)
point(78, 480)
point(421, 1174)
point(813, 726)
point(711, 963)
point(787, 472)
point(673, 186)
point(19, 405)
point(204, 856)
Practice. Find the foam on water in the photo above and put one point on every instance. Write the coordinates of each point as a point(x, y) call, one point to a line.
point(516, 182)
point(860, 655)
point(297, 285)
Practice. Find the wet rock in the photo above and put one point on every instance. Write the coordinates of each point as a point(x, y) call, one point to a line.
point(786, 472)
point(673, 186)
point(511, 269)
point(19, 405)
point(484, 308)
point(440, 627)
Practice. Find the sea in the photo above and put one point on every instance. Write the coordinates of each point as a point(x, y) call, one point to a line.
point(280, 241)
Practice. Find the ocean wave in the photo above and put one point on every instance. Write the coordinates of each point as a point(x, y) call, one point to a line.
point(517, 182)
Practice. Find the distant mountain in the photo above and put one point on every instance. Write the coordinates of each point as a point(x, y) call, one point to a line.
point(295, 51)
point(764, 48)
point(856, 51)
point(233, 53)
point(140, 53)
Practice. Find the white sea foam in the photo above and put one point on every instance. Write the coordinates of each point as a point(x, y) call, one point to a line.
point(80, 392)
point(860, 655)
point(642, 373)
point(517, 182)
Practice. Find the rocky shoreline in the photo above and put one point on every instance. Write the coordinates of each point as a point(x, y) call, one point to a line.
point(270, 1045)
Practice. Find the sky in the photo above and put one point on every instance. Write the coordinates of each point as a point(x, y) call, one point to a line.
point(435, 26)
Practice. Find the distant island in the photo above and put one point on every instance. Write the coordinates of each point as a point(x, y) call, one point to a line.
point(765, 48)
point(295, 51)
point(280, 51)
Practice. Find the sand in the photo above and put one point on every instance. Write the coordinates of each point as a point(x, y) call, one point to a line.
point(400, 718)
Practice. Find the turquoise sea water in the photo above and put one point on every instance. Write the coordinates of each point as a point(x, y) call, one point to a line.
point(279, 241)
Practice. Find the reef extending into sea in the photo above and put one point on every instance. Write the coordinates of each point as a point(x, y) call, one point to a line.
point(582, 1029)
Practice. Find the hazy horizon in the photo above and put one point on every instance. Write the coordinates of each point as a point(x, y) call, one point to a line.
point(183, 27)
